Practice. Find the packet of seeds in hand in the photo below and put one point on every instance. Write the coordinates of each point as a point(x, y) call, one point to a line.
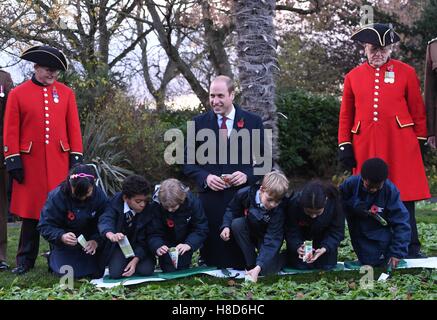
point(174, 255)
point(126, 248)
point(82, 241)
point(308, 251)
point(226, 179)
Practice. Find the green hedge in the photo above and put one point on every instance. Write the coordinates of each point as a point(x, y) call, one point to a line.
point(308, 138)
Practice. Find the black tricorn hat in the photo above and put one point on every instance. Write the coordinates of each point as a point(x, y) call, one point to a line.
point(379, 34)
point(46, 56)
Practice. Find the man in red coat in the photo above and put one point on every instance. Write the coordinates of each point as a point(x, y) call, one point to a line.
point(383, 115)
point(42, 139)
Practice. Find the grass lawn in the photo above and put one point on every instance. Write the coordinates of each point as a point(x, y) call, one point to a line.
point(405, 284)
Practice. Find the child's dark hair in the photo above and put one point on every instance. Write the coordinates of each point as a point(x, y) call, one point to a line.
point(81, 178)
point(375, 170)
point(135, 185)
point(315, 194)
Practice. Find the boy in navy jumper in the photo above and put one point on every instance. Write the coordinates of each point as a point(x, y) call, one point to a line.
point(126, 216)
point(378, 220)
point(256, 218)
point(178, 221)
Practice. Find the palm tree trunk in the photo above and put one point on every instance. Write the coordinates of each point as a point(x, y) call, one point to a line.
point(257, 62)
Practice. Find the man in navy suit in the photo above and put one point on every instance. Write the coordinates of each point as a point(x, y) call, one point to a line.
point(238, 136)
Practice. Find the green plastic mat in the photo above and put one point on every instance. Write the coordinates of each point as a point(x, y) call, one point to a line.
point(338, 267)
point(356, 265)
point(162, 275)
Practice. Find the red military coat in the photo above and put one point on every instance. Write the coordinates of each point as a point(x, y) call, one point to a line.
point(43, 133)
point(384, 119)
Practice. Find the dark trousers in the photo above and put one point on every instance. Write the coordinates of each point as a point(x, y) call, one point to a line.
point(184, 261)
point(414, 247)
point(118, 262)
point(3, 214)
point(248, 245)
point(28, 245)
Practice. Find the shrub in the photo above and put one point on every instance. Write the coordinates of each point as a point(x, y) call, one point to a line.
point(308, 138)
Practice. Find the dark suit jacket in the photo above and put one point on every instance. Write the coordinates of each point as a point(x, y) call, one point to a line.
point(7, 84)
point(242, 120)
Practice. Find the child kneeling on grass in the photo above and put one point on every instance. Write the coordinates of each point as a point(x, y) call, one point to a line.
point(179, 221)
point(256, 218)
point(378, 220)
point(126, 218)
point(72, 210)
point(314, 214)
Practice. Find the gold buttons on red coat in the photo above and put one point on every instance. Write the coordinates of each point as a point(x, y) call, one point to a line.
point(46, 116)
point(376, 94)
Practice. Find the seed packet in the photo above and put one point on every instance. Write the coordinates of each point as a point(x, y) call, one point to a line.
point(126, 248)
point(82, 241)
point(308, 251)
point(174, 255)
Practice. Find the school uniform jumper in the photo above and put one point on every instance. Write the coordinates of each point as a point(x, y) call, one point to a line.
point(62, 214)
point(374, 243)
point(115, 220)
point(326, 230)
point(188, 224)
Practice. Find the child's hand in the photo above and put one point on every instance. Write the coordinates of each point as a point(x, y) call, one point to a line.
point(130, 268)
point(316, 255)
point(162, 250)
point(226, 234)
point(393, 262)
point(114, 237)
point(182, 248)
point(69, 239)
point(253, 273)
point(90, 247)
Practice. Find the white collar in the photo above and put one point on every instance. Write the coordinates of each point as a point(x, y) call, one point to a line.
point(230, 116)
point(258, 199)
point(127, 209)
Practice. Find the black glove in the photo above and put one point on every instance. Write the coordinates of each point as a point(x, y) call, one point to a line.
point(75, 159)
point(423, 147)
point(17, 174)
point(346, 157)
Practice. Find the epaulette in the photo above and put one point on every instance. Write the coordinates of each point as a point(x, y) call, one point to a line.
point(432, 40)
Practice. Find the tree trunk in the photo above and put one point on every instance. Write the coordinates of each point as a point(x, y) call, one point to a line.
point(257, 62)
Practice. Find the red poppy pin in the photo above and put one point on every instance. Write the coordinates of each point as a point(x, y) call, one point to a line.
point(71, 216)
point(240, 123)
point(246, 212)
point(374, 209)
point(302, 223)
point(170, 223)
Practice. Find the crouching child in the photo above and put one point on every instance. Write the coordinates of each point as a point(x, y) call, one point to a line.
point(69, 223)
point(179, 226)
point(255, 218)
point(378, 220)
point(124, 223)
point(314, 214)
